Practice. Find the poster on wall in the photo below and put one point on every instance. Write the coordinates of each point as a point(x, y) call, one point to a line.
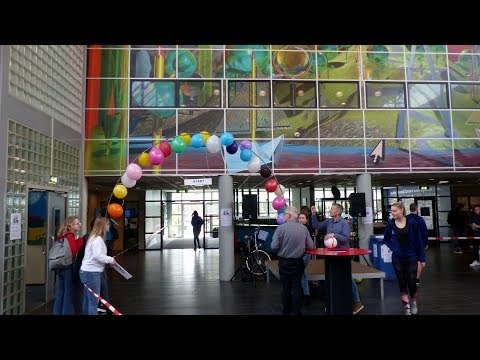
point(225, 217)
point(15, 226)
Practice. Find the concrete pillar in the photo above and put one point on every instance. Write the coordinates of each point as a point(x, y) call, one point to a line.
point(225, 233)
point(365, 224)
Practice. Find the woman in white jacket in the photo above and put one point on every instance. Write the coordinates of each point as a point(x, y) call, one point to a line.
point(93, 264)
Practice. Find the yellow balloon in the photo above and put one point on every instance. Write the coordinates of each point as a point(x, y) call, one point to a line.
point(143, 160)
point(205, 136)
point(120, 191)
point(186, 137)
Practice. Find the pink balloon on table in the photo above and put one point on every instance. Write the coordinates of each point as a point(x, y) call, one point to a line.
point(278, 203)
point(134, 171)
point(280, 219)
point(156, 156)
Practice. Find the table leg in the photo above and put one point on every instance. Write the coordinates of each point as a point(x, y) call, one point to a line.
point(338, 281)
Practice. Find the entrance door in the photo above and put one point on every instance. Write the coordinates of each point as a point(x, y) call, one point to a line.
point(426, 210)
point(46, 213)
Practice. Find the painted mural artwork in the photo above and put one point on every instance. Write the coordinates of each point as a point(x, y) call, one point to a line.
point(305, 108)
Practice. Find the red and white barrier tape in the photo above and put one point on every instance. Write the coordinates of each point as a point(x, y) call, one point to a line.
point(439, 238)
point(104, 302)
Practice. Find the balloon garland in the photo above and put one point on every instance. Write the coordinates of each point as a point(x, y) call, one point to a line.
point(161, 149)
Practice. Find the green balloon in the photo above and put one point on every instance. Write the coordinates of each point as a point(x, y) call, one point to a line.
point(178, 145)
point(379, 57)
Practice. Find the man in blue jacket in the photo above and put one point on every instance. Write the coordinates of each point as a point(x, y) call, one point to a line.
point(422, 227)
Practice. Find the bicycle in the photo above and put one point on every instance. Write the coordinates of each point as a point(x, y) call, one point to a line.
point(252, 259)
point(255, 259)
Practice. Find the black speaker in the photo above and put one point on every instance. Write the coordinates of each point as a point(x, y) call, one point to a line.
point(249, 207)
point(357, 205)
point(336, 192)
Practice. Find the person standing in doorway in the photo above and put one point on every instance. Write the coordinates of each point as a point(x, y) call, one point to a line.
point(64, 290)
point(422, 227)
point(290, 241)
point(458, 219)
point(197, 223)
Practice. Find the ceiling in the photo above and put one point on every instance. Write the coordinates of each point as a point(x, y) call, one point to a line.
point(252, 181)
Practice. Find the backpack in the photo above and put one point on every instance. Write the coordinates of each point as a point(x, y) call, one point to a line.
point(60, 255)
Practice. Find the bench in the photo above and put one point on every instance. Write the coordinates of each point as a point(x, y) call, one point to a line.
point(316, 271)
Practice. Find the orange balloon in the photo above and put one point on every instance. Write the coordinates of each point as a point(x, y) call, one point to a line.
point(115, 210)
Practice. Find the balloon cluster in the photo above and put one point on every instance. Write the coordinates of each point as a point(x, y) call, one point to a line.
point(156, 154)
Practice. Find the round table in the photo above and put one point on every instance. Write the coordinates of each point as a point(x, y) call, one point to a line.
point(338, 277)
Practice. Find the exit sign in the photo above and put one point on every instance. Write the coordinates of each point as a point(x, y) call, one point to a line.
point(424, 187)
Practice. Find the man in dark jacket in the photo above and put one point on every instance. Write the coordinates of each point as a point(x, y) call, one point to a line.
point(197, 223)
point(422, 227)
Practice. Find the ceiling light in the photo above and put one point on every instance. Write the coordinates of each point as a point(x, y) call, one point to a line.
point(443, 182)
point(308, 181)
point(339, 94)
point(300, 93)
point(377, 93)
point(262, 93)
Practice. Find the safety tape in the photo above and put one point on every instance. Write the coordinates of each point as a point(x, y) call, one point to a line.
point(104, 302)
point(439, 238)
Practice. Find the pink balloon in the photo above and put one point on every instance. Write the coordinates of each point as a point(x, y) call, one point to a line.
point(280, 219)
point(133, 171)
point(278, 203)
point(156, 156)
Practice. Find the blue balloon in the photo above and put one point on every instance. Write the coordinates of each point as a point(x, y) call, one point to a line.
point(227, 139)
point(196, 141)
point(232, 149)
point(246, 155)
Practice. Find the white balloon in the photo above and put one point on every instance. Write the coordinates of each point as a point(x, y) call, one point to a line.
point(280, 190)
point(127, 182)
point(330, 243)
point(254, 164)
point(213, 144)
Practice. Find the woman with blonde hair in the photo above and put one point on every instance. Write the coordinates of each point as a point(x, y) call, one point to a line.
point(93, 264)
point(64, 290)
point(404, 238)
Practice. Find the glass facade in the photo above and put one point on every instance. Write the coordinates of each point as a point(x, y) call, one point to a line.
point(311, 108)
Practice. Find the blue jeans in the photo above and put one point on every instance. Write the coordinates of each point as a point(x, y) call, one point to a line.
point(93, 281)
point(355, 294)
point(306, 289)
point(64, 292)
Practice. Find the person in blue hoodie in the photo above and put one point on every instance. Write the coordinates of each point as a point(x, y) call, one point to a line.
point(423, 231)
point(404, 239)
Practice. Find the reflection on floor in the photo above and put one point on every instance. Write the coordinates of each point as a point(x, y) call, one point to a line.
point(183, 243)
point(185, 282)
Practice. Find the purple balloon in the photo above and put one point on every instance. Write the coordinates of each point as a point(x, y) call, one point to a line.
point(279, 203)
point(232, 149)
point(265, 171)
point(245, 144)
point(280, 219)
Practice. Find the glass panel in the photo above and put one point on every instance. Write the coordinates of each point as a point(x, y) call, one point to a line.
point(198, 93)
point(294, 94)
point(293, 62)
point(429, 123)
point(396, 155)
point(106, 124)
point(159, 93)
point(382, 95)
point(466, 123)
point(295, 124)
point(152, 208)
point(466, 153)
point(428, 96)
point(380, 64)
point(464, 66)
point(341, 124)
point(342, 155)
point(249, 93)
point(100, 160)
point(152, 224)
point(443, 203)
point(385, 124)
point(430, 153)
point(465, 96)
point(338, 94)
point(426, 66)
point(249, 123)
point(247, 61)
point(297, 156)
point(338, 65)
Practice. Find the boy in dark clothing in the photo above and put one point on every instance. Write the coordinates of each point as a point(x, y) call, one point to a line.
point(197, 223)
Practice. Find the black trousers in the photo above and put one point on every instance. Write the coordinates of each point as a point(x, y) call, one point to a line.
point(291, 271)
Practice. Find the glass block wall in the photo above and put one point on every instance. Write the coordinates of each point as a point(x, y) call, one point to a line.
point(30, 162)
point(314, 109)
point(50, 78)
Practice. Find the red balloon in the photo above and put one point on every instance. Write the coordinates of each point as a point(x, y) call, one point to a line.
point(115, 210)
point(271, 185)
point(166, 148)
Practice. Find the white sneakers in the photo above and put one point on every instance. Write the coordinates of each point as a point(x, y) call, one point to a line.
point(413, 307)
point(475, 263)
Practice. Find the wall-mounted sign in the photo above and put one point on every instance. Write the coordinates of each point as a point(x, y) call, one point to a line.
point(198, 182)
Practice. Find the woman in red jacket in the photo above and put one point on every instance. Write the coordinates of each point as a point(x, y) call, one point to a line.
point(64, 291)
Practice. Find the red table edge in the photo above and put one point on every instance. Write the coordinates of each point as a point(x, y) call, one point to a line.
point(338, 251)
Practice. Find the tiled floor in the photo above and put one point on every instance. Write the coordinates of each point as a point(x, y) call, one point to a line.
point(185, 282)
